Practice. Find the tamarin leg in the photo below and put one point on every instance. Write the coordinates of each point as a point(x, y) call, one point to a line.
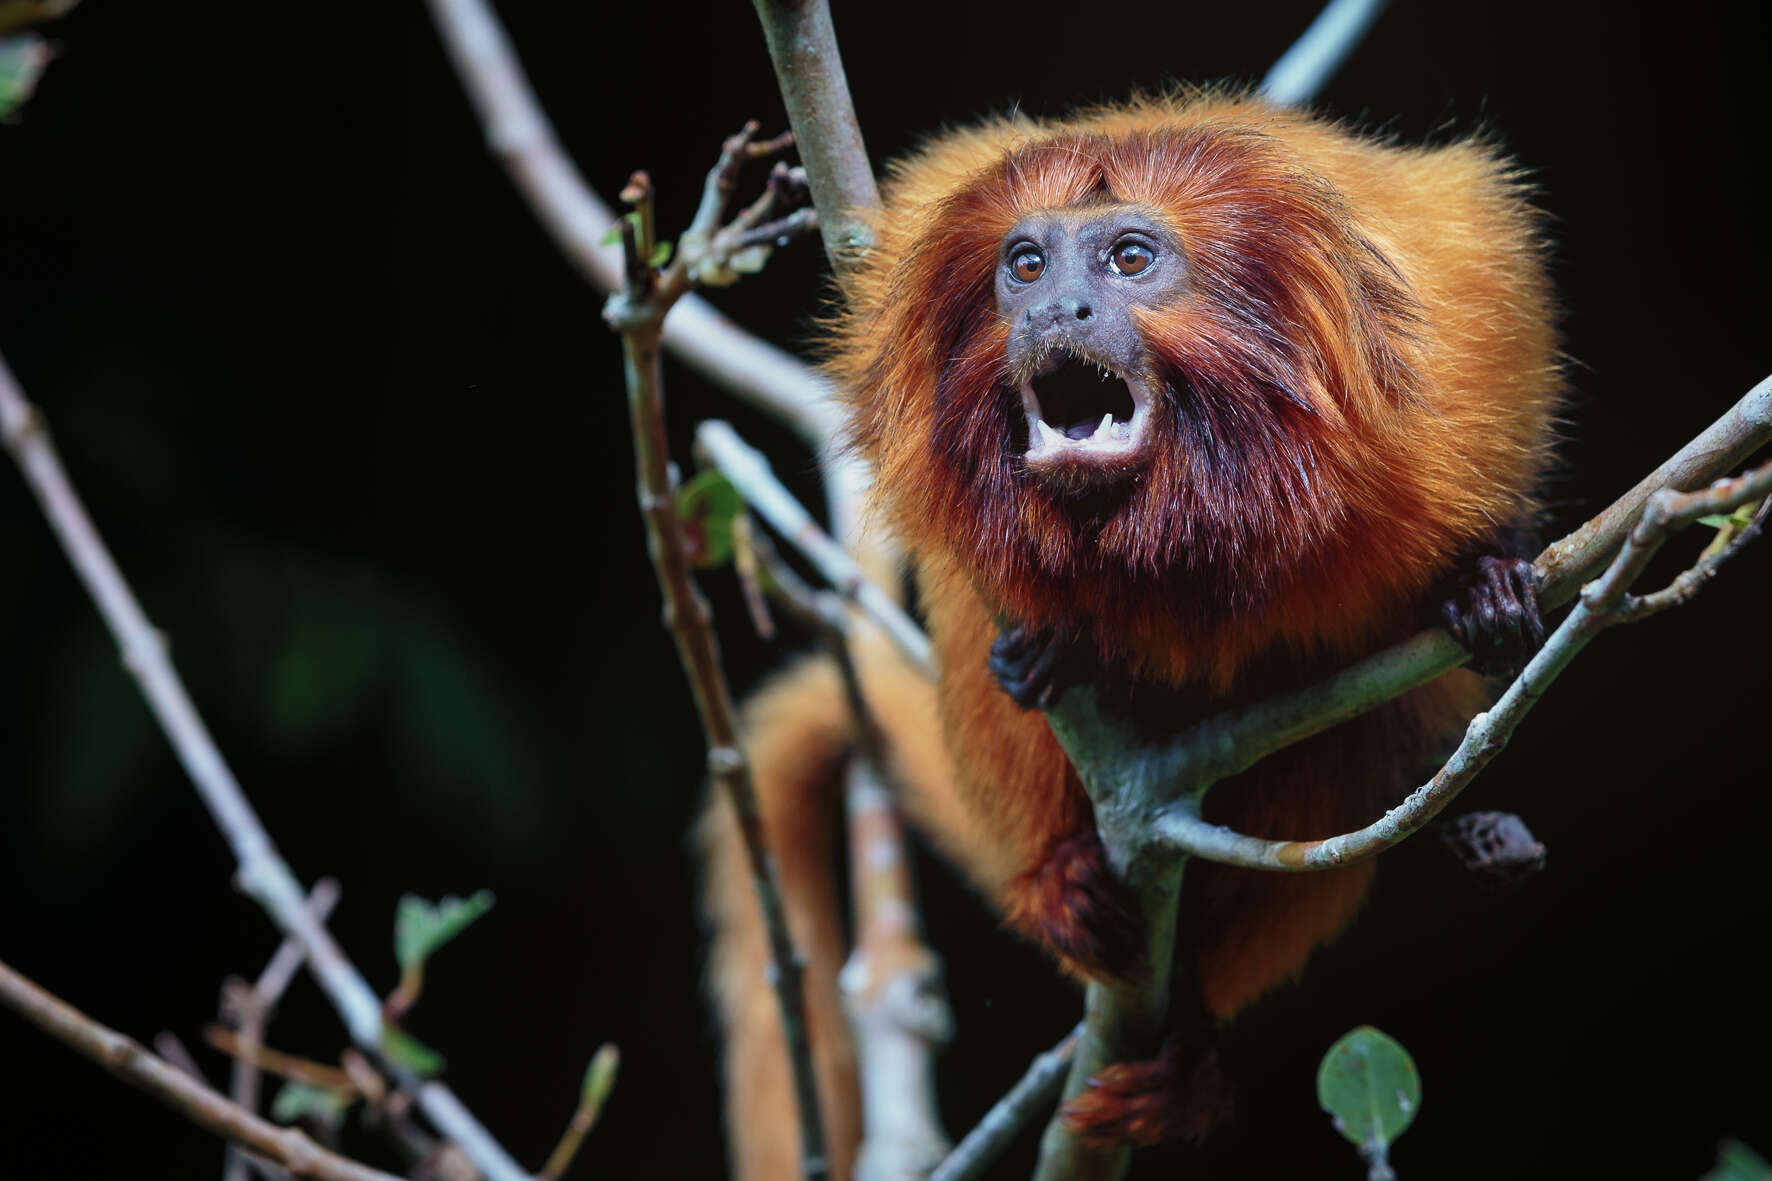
point(798, 736)
point(1019, 821)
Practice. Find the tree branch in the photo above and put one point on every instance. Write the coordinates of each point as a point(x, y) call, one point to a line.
point(750, 473)
point(130, 1061)
point(1314, 58)
point(637, 314)
point(263, 874)
point(809, 71)
point(520, 136)
point(1603, 604)
point(1026, 1101)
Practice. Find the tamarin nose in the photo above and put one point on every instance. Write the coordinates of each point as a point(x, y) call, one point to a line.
point(1057, 311)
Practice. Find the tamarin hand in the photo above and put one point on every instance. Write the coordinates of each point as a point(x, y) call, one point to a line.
point(1493, 611)
point(1033, 665)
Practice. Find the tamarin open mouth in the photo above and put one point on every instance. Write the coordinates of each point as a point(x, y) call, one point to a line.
point(1079, 410)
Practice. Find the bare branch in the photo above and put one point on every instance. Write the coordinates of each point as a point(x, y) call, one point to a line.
point(1026, 1101)
point(637, 314)
point(519, 135)
point(892, 984)
point(1306, 68)
point(809, 70)
point(262, 873)
point(201, 1104)
point(749, 471)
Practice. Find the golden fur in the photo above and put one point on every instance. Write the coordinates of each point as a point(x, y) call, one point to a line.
point(1363, 378)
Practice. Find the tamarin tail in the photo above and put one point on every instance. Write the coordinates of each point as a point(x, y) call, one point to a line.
point(798, 738)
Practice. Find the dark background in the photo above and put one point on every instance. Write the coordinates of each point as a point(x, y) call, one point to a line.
point(355, 432)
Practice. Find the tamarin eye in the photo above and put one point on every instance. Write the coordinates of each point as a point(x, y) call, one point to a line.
point(1027, 265)
point(1129, 258)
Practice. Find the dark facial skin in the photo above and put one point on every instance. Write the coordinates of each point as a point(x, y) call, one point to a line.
point(1068, 282)
point(1071, 277)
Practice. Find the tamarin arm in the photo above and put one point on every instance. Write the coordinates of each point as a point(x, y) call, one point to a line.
point(1021, 826)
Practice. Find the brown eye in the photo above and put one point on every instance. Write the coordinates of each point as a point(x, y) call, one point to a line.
point(1130, 258)
point(1028, 265)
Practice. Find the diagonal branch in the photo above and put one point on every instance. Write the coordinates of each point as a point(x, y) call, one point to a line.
point(749, 472)
point(1314, 58)
point(1604, 603)
point(520, 136)
point(204, 1106)
point(262, 872)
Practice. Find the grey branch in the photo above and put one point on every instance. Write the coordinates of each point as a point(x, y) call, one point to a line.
point(262, 872)
point(204, 1106)
point(520, 136)
point(1026, 1101)
point(1303, 70)
point(809, 71)
point(750, 473)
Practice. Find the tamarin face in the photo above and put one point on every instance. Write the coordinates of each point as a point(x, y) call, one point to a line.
point(1068, 282)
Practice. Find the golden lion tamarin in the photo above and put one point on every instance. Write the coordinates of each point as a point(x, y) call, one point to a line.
point(1199, 395)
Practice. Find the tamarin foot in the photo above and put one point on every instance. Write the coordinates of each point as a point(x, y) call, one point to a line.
point(1493, 611)
point(1178, 1095)
point(1033, 665)
point(1073, 903)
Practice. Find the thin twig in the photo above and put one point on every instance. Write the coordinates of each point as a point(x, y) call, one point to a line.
point(750, 473)
point(262, 872)
point(519, 135)
point(251, 1008)
point(1030, 1098)
point(289, 1066)
point(197, 1102)
point(638, 317)
point(599, 1078)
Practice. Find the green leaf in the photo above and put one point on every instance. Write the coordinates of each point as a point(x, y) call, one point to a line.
point(661, 254)
point(1737, 1162)
point(405, 1050)
point(296, 1101)
point(421, 928)
point(1368, 1084)
point(22, 61)
point(612, 236)
point(707, 505)
point(1716, 521)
